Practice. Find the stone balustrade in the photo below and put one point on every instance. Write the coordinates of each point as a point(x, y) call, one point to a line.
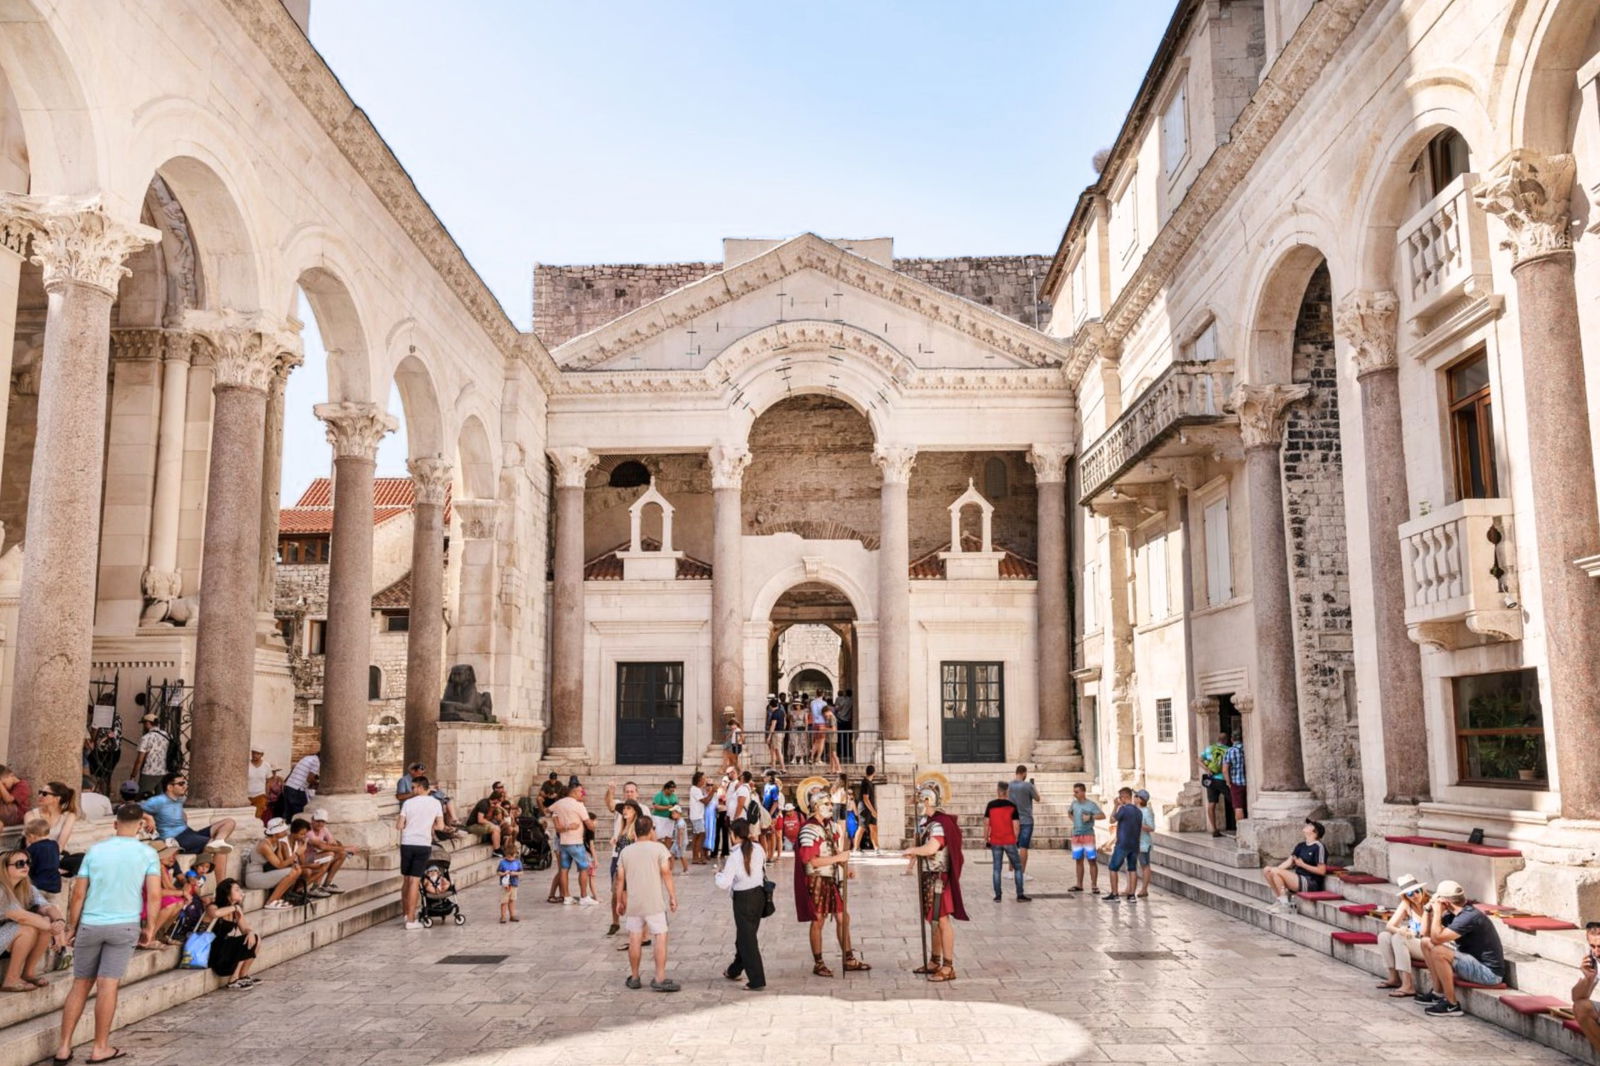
point(1445, 248)
point(1186, 393)
point(1460, 585)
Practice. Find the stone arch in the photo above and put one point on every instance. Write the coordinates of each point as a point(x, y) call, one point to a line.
point(343, 336)
point(475, 469)
point(1545, 43)
point(1269, 351)
point(419, 403)
point(861, 601)
point(1434, 102)
point(66, 152)
point(796, 677)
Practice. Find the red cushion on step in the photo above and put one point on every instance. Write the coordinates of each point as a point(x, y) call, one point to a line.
point(1320, 897)
point(1358, 908)
point(1524, 1004)
point(1486, 851)
point(1537, 924)
point(1360, 879)
point(1425, 842)
point(1469, 984)
point(1344, 936)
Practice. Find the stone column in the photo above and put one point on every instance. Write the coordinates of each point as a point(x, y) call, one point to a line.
point(245, 350)
point(894, 594)
point(162, 579)
point(727, 569)
point(572, 466)
point(131, 436)
point(1366, 320)
point(1122, 517)
point(1531, 194)
point(354, 430)
point(1057, 731)
point(271, 497)
point(1277, 765)
point(80, 249)
point(425, 636)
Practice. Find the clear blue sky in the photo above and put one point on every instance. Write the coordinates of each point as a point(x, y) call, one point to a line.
point(584, 132)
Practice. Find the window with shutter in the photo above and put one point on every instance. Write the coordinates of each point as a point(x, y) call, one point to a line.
point(1219, 563)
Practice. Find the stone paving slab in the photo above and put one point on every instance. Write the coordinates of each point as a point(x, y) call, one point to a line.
point(1035, 986)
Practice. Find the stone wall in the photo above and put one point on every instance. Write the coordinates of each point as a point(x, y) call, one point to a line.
point(569, 300)
point(811, 465)
point(1314, 505)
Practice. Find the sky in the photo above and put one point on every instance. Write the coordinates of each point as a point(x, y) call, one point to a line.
point(635, 132)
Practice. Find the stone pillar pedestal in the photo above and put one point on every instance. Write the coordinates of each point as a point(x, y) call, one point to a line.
point(728, 462)
point(572, 466)
point(1562, 875)
point(1057, 745)
point(80, 249)
point(354, 819)
point(894, 594)
point(425, 637)
point(1385, 820)
point(354, 430)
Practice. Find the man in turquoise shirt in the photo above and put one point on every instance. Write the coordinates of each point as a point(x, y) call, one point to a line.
point(118, 877)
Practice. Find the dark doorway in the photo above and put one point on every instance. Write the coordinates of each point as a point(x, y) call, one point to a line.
point(972, 698)
point(650, 714)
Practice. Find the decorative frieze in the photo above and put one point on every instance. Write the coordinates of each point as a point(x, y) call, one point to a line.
point(728, 462)
point(1366, 320)
point(430, 479)
point(355, 429)
point(896, 461)
point(1263, 410)
point(73, 238)
point(572, 466)
point(1532, 194)
point(137, 345)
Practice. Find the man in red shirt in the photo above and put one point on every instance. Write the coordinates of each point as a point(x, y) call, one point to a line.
point(1004, 820)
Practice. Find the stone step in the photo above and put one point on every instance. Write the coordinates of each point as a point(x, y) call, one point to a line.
point(30, 1022)
point(1224, 849)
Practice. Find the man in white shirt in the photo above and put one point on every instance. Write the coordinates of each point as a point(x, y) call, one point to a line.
point(301, 780)
point(255, 781)
point(150, 764)
point(420, 817)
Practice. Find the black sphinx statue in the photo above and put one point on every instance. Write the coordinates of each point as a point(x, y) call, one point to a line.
point(463, 702)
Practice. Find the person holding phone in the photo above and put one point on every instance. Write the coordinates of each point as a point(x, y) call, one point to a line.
point(1583, 1008)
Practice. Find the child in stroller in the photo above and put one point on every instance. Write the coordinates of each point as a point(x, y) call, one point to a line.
point(439, 893)
point(536, 851)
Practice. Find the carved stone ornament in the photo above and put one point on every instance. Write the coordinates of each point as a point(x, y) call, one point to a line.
point(572, 466)
point(1532, 194)
point(463, 701)
point(896, 461)
point(73, 238)
point(727, 465)
point(430, 478)
point(288, 360)
point(137, 345)
point(1263, 410)
point(1049, 461)
point(245, 346)
point(1093, 342)
point(477, 518)
point(1366, 319)
point(162, 584)
point(355, 428)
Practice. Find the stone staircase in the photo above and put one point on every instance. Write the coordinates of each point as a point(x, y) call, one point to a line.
point(1214, 872)
point(30, 1022)
point(974, 788)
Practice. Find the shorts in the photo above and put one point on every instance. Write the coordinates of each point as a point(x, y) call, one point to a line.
point(103, 951)
point(258, 878)
point(1468, 968)
point(193, 841)
point(638, 923)
point(1083, 847)
point(481, 830)
point(1238, 794)
point(867, 818)
point(1310, 882)
point(1144, 857)
point(664, 828)
point(414, 859)
point(1217, 788)
point(1124, 859)
point(1025, 834)
point(574, 855)
point(698, 827)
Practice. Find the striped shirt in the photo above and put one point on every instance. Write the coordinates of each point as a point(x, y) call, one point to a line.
point(303, 769)
point(1233, 759)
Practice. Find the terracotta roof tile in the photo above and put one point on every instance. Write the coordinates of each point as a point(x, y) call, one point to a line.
point(397, 595)
point(313, 511)
point(607, 567)
point(304, 520)
point(1013, 567)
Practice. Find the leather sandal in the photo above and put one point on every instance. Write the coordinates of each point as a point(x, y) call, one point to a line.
point(821, 969)
point(931, 966)
point(853, 963)
point(943, 973)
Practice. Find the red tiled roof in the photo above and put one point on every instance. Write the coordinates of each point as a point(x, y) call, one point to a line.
point(1012, 566)
point(396, 596)
point(607, 567)
point(313, 512)
point(303, 520)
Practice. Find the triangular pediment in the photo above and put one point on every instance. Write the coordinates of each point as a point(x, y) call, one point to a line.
point(810, 279)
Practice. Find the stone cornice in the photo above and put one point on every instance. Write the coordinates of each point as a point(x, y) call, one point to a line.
point(809, 252)
point(1319, 36)
point(274, 31)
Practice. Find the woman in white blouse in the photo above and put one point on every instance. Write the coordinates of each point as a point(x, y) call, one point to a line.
point(745, 875)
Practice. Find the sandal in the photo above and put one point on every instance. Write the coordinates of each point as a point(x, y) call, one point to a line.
point(946, 972)
point(853, 963)
point(821, 969)
point(1400, 993)
point(931, 966)
point(37, 982)
point(16, 988)
point(1388, 984)
point(116, 1053)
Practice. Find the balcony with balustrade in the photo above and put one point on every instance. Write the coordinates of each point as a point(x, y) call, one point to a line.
point(1444, 253)
point(1461, 587)
point(1169, 419)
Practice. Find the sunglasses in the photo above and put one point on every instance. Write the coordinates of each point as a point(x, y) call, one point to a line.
point(19, 864)
point(181, 781)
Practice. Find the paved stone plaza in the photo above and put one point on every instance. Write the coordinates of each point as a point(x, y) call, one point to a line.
point(1037, 985)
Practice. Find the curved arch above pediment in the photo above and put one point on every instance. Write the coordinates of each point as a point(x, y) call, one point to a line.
point(806, 337)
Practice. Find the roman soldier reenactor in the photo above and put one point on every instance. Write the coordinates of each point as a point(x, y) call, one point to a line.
point(821, 874)
point(937, 859)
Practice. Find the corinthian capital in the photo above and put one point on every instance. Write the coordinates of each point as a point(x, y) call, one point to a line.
point(1262, 411)
point(572, 466)
point(1367, 320)
point(1049, 461)
point(1532, 194)
point(895, 460)
point(245, 346)
point(727, 465)
point(73, 238)
point(430, 479)
point(477, 518)
point(355, 428)
point(137, 345)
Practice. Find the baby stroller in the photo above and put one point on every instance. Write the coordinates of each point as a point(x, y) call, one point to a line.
point(536, 851)
point(439, 893)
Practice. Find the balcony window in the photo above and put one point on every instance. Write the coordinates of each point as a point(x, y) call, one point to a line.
point(1500, 730)
point(1472, 428)
point(1443, 161)
point(1203, 349)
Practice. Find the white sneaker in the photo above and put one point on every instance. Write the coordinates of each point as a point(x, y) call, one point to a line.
point(569, 901)
point(414, 925)
point(219, 845)
point(588, 901)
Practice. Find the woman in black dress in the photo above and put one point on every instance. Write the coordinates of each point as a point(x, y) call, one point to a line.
point(234, 948)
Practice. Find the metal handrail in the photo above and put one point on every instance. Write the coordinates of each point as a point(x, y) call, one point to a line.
point(797, 747)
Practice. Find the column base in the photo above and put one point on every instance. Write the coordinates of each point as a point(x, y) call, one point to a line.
point(1189, 815)
point(1385, 820)
point(1562, 875)
point(1276, 818)
point(1057, 755)
point(354, 819)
